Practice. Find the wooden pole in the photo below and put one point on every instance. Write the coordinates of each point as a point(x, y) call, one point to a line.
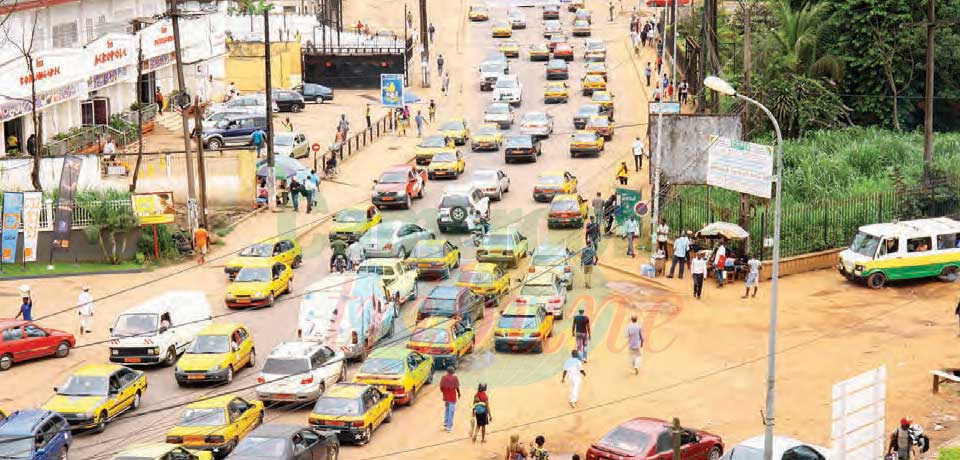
point(928, 96)
point(191, 179)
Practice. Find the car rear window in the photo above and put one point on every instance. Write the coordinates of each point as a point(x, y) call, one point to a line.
point(337, 407)
point(517, 322)
point(626, 439)
point(430, 336)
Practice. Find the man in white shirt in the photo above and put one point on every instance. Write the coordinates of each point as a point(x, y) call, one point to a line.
point(753, 277)
point(662, 231)
point(573, 371)
point(680, 247)
point(309, 190)
point(631, 228)
point(354, 255)
point(698, 268)
point(638, 154)
point(85, 310)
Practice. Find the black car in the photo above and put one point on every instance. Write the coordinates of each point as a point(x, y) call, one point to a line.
point(287, 442)
point(288, 101)
point(450, 301)
point(314, 93)
point(584, 112)
point(520, 146)
point(557, 69)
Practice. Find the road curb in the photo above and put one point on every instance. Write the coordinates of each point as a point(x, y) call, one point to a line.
point(643, 279)
point(65, 275)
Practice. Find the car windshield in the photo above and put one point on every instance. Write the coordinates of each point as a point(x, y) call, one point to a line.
point(519, 141)
point(601, 97)
point(501, 25)
point(438, 307)
point(497, 240)
point(441, 157)
point(16, 447)
point(427, 251)
point(253, 275)
point(430, 336)
point(451, 126)
point(387, 366)
point(260, 447)
point(509, 44)
point(517, 322)
point(498, 108)
point(393, 177)
point(434, 141)
point(550, 179)
point(337, 407)
point(584, 137)
point(593, 78)
point(376, 270)
point(136, 324)
point(474, 277)
point(84, 385)
point(564, 205)
point(581, 23)
point(257, 250)
point(384, 231)
point(213, 416)
point(625, 439)
point(594, 45)
point(484, 177)
point(537, 290)
point(588, 110)
point(283, 140)
point(534, 117)
point(486, 131)
point(286, 366)
point(210, 344)
point(492, 67)
point(506, 83)
point(452, 201)
point(865, 244)
point(351, 215)
point(548, 259)
point(598, 121)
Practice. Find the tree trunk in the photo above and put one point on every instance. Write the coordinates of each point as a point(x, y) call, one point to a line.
point(893, 89)
point(103, 247)
point(37, 129)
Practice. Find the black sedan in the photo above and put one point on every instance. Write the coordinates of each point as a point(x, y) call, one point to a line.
point(450, 301)
point(522, 146)
point(314, 93)
point(288, 101)
point(287, 442)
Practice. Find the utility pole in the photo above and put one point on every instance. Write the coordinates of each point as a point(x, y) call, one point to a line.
point(191, 180)
point(928, 96)
point(201, 164)
point(425, 42)
point(406, 78)
point(136, 170)
point(271, 177)
point(676, 432)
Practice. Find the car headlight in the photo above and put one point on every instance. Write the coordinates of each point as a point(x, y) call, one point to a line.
point(86, 415)
point(258, 294)
point(115, 352)
point(215, 368)
point(153, 351)
point(229, 295)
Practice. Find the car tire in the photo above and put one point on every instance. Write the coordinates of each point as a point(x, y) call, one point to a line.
point(63, 349)
point(297, 261)
point(538, 348)
point(365, 438)
point(252, 362)
point(457, 265)
point(442, 228)
point(714, 453)
point(230, 374)
point(270, 300)
point(408, 204)
point(101, 422)
point(214, 144)
point(170, 358)
point(322, 388)
point(136, 402)
point(499, 194)
point(342, 377)
point(948, 274)
point(333, 451)
point(402, 253)
point(876, 280)
point(420, 192)
point(296, 108)
point(6, 361)
point(389, 417)
point(429, 377)
point(65, 453)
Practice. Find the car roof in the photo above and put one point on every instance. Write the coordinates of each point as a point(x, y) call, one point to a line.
point(459, 189)
point(23, 422)
point(219, 328)
point(294, 350)
point(780, 445)
point(647, 425)
point(520, 309)
point(919, 227)
point(503, 231)
point(446, 291)
point(12, 322)
point(484, 267)
point(552, 172)
point(435, 322)
point(98, 370)
point(258, 262)
point(540, 279)
point(358, 207)
point(169, 301)
point(212, 403)
point(430, 243)
point(275, 430)
point(550, 248)
point(346, 390)
point(151, 450)
point(566, 197)
point(393, 352)
point(403, 168)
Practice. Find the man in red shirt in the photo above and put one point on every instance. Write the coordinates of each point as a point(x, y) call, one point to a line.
point(450, 388)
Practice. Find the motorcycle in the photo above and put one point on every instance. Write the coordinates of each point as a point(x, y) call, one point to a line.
point(918, 438)
point(340, 264)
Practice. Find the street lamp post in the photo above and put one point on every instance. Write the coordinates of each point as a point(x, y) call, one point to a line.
point(722, 87)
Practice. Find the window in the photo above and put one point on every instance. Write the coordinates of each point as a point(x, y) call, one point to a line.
point(34, 331)
point(921, 244)
point(127, 376)
point(948, 241)
point(890, 246)
point(65, 35)
point(12, 334)
point(310, 438)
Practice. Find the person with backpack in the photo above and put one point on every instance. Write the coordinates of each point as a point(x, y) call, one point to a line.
point(515, 450)
point(482, 415)
point(901, 446)
point(537, 452)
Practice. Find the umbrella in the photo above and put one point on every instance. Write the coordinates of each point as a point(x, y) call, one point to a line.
point(283, 168)
point(726, 230)
point(410, 98)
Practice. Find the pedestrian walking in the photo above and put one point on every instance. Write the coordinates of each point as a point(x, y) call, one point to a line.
point(664, 81)
point(659, 64)
point(753, 276)
point(597, 204)
point(592, 233)
point(588, 258)
point(698, 268)
point(158, 98)
point(610, 210)
point(901, 447)
point(482, 415)
point(648, 72)
point(201, 243)
point(344, 125)
point(85, 310)
point(296, 189)
point(719, 260)
point(610, 7)
point(515, 450)
point(367, 116)
point(635, 343)
point(656, 94)
point(431, 30)
point(632, 228)
point(643, 39)
point(680, 247)
point(581, 332)
point(26, 305)
point(573, 371)
point(258, 140)
point(419, 120)
point(32, 145)
point(622, 173)
point(684, 91)
point(432, 111)
point(309, 190)
point(957, 313)
point(663, 231)
point(637, 154)
point(670, 91)
point(635, 41)
point(537, 451)
point(446, 83)
point(287, 124)
point(450, 390)
point(440, 64)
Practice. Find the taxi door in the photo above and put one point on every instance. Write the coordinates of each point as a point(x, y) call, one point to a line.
point(373, 216)
point(282, 278)
point(546, 322)
point(463, 338)
point(285, 248)
point(247, 419)
point(246, 346)
point(501, 281)
point(570, 182)
point(116, 395)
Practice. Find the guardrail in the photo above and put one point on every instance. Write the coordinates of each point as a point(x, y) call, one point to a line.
point(81, 214)
point(359, 140)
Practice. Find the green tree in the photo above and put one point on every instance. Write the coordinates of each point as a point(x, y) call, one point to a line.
point(794, 44)
point(108, 224)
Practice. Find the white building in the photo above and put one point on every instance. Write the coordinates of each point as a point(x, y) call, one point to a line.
point(85, 57)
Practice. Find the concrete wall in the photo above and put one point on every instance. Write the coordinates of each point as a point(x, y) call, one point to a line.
point(244, 65)
point(15, 173)
point(81, 250)
point(804, 263)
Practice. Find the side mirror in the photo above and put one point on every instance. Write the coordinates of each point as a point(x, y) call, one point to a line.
point(236, 347)
point(110, 330)
point(56, 389)
point(114, 391)
point(376, 181)
point(162, 329)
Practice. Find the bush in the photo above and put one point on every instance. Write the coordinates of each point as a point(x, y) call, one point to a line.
point(165, 242)
point(948, 453)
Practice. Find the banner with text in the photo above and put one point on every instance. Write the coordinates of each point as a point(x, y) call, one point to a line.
point(740, 166)
point(391, 90)
point(154, 208)
point(12, 208)
point(63, 212)
point(31, 224)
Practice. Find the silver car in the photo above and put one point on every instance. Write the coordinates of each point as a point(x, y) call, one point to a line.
point(517, 19)
point(299, 371)
point(393, 239)
point(293, 145)
point(783, 447)
point(500, 113)
point(552, 26)
point(492, 182)
point(556, 258)
point(537, 124)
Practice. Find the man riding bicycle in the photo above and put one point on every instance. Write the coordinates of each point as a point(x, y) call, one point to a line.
point(339, 248)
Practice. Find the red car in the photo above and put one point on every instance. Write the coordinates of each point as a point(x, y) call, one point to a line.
point(651, 439)
point(398, 185)
point(23, 340)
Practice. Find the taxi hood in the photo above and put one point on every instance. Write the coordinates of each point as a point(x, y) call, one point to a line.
point(74, 404)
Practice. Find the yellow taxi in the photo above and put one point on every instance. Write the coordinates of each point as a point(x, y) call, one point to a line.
point(446, 165)
point(478, 13)
point(432, 145)
point(457, 130)
point(161, 451)
point(601, 125)
point(539, 52)
point(3, 415)
point(218, 351)
point(485, 279)
point(567, 210)
point(550, 183)
point(556, 91)
point(96, 394)
point(575, 5)
point(501, 29)
point(398, 370)
point(486, 137)
point(504, 245)
point(349, 224)
point(597, 68)
point(509, 48)
point(446, 340)
point(283, 249)
point(591, 83)
point(522, 327)
point(585, 142)
point(216, 424)
point(603, 98)
point(434, 257)
point(353, 411)
point(258, 284)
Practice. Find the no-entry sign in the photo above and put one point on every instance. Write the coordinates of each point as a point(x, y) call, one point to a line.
point(640, 208)
point(315, 147)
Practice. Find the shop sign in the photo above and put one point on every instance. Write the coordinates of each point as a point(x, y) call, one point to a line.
point(51, 70)
point(157, 39)
point(12, 108)
point(107, 78)
point(111, 51)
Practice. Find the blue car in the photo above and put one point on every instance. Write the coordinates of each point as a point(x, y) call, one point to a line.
point(35, 435)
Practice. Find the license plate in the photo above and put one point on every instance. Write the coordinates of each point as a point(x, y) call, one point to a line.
point(423, 265)
point(283, 396)
point(195, 377)
point(131, 360)
point(387, 198)
point(243, 300)
point(441, 173)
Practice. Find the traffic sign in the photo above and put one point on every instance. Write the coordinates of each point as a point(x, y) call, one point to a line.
point(315, 147)
point(640, 208)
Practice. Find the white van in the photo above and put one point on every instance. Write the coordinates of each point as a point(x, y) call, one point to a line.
point(160, 329)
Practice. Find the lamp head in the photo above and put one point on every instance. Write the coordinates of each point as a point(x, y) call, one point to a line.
point(719, 85)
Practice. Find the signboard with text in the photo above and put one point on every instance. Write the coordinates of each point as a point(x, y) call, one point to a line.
point(740, 166)
point(666, 108)
point(32, 201)
point(154, 208)
point(12, 209)
point(391, 90)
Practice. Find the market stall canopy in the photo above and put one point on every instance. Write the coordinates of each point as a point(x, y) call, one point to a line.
point(726, 230)
point(284, 168)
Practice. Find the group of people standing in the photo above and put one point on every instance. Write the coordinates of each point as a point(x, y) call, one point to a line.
point(687, 252)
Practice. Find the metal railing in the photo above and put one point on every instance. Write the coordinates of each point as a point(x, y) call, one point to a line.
point(90, 135)
point(365, 136)
point(81, 213)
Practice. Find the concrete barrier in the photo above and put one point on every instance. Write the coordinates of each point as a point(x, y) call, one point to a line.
point(804, 263)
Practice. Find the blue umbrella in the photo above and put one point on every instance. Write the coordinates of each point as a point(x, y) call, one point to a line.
point(410, 98)
point(284, 168)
